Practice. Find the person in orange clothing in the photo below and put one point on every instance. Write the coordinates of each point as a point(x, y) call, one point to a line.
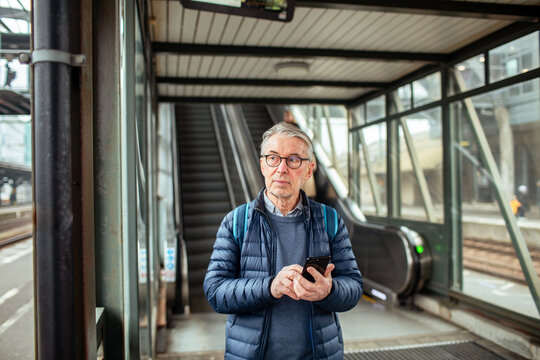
point(515, 205)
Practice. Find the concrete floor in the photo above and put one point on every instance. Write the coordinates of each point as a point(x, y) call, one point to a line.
point(369, 325)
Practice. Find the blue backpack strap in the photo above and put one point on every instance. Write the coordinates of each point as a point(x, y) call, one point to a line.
point(240, 223)
point(330, 221)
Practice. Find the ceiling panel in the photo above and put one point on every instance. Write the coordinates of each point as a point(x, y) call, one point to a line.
point(311, 28)
point(174, 20)
point(263, 68)
point(315, 92)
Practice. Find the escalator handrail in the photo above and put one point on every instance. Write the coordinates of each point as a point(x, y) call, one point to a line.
point(226, 171)
point(181, 254)
point(246, 160)
point(236, 155)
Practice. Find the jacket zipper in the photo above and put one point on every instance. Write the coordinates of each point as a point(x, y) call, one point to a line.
point(273, 273)
point(311, 310)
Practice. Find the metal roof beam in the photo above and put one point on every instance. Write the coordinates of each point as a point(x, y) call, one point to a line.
point(266, 82)
point(11, 13)
point(246, 100)
point(266, 51)
point(483, 10)
point(15, 42)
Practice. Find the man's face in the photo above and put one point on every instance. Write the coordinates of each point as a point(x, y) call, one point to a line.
point(282, 181)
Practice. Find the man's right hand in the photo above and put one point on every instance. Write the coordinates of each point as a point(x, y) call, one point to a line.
point(283, 284)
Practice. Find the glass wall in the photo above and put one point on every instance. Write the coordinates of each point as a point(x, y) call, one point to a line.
point(148, 265)
point(328, 128)
point(474, 145)
point(420, 166)
point(368, 169)
point(509, 120)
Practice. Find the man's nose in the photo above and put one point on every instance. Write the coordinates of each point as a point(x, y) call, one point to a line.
point(282, 168)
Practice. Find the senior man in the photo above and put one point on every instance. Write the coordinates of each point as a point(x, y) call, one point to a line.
point(275, 312)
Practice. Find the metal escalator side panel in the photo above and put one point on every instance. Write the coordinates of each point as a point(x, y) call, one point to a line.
point(386, 255)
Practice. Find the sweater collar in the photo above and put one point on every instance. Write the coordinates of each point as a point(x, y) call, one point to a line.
point(259, 203)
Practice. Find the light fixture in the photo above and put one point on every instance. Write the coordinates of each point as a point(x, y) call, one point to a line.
point(292, 68)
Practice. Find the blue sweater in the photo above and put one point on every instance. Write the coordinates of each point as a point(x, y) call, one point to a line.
point(288, 336)
point(238, 282)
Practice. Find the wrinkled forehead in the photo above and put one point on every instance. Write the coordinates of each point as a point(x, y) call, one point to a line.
point(286, 145)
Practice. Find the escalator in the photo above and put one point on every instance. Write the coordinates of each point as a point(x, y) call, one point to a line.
point(258, 121)
point(205, 199)
point(388, 257)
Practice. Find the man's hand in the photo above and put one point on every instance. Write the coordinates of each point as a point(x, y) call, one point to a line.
point(283, 282)
point(306, 290)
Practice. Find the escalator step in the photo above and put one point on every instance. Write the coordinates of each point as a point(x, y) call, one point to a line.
point(200, 232)
point(197, 143)
point(209, 218)
point(213, 176)
point(215, 167)
point(202, 207)
point(200, 158)
point(202, 186)
point(200, 246)
point(196, 278)
point(198, 261)
point(205, 196)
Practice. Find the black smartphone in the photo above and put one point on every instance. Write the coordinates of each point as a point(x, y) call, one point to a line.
point(318, 262)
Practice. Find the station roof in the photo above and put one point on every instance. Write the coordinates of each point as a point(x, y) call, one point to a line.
point(341, 51)
point(13, 103)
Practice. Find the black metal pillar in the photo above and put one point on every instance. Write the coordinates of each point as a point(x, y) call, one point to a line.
point(56, 106)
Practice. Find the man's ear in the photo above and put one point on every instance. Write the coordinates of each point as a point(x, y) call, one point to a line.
point(310, 170)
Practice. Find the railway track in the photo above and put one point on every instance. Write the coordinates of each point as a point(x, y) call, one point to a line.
point(496, 258)
point(15, 229)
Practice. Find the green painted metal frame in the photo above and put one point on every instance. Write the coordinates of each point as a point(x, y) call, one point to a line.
point(128, 163)
point(369, 169)
point(451, 167)
point(114, 166)
point(518, 241)
point(417, 168)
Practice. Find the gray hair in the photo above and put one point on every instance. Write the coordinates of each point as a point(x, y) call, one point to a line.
point(282, 128)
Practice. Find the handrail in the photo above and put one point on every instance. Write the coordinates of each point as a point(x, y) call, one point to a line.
point(246, 147)
point(221, 148)
point(273, 111)
point(181, 273)
point(236, 156)
point(244, 129)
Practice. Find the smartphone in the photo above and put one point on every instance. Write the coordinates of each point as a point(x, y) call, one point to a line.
point(318, 262)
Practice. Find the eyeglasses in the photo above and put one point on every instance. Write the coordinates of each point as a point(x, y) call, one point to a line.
point(293, 162)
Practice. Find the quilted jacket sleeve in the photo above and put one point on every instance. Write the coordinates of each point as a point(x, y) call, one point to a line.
point(226, 292)
point(347, 283)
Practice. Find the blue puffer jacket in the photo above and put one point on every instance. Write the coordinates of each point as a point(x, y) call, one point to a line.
point(238, 282)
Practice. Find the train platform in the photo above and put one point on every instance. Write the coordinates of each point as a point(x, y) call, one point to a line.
point(15, 223)
point(373, 330)
point(15, 209)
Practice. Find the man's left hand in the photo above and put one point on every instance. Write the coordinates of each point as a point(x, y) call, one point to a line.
point(306, 290)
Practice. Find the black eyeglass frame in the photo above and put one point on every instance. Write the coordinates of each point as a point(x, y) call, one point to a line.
point(286, 160)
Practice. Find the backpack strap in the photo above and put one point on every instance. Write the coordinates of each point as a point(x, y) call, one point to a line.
point(330, 221)
point(240, 223)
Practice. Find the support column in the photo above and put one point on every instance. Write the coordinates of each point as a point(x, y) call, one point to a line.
point(506, 150)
